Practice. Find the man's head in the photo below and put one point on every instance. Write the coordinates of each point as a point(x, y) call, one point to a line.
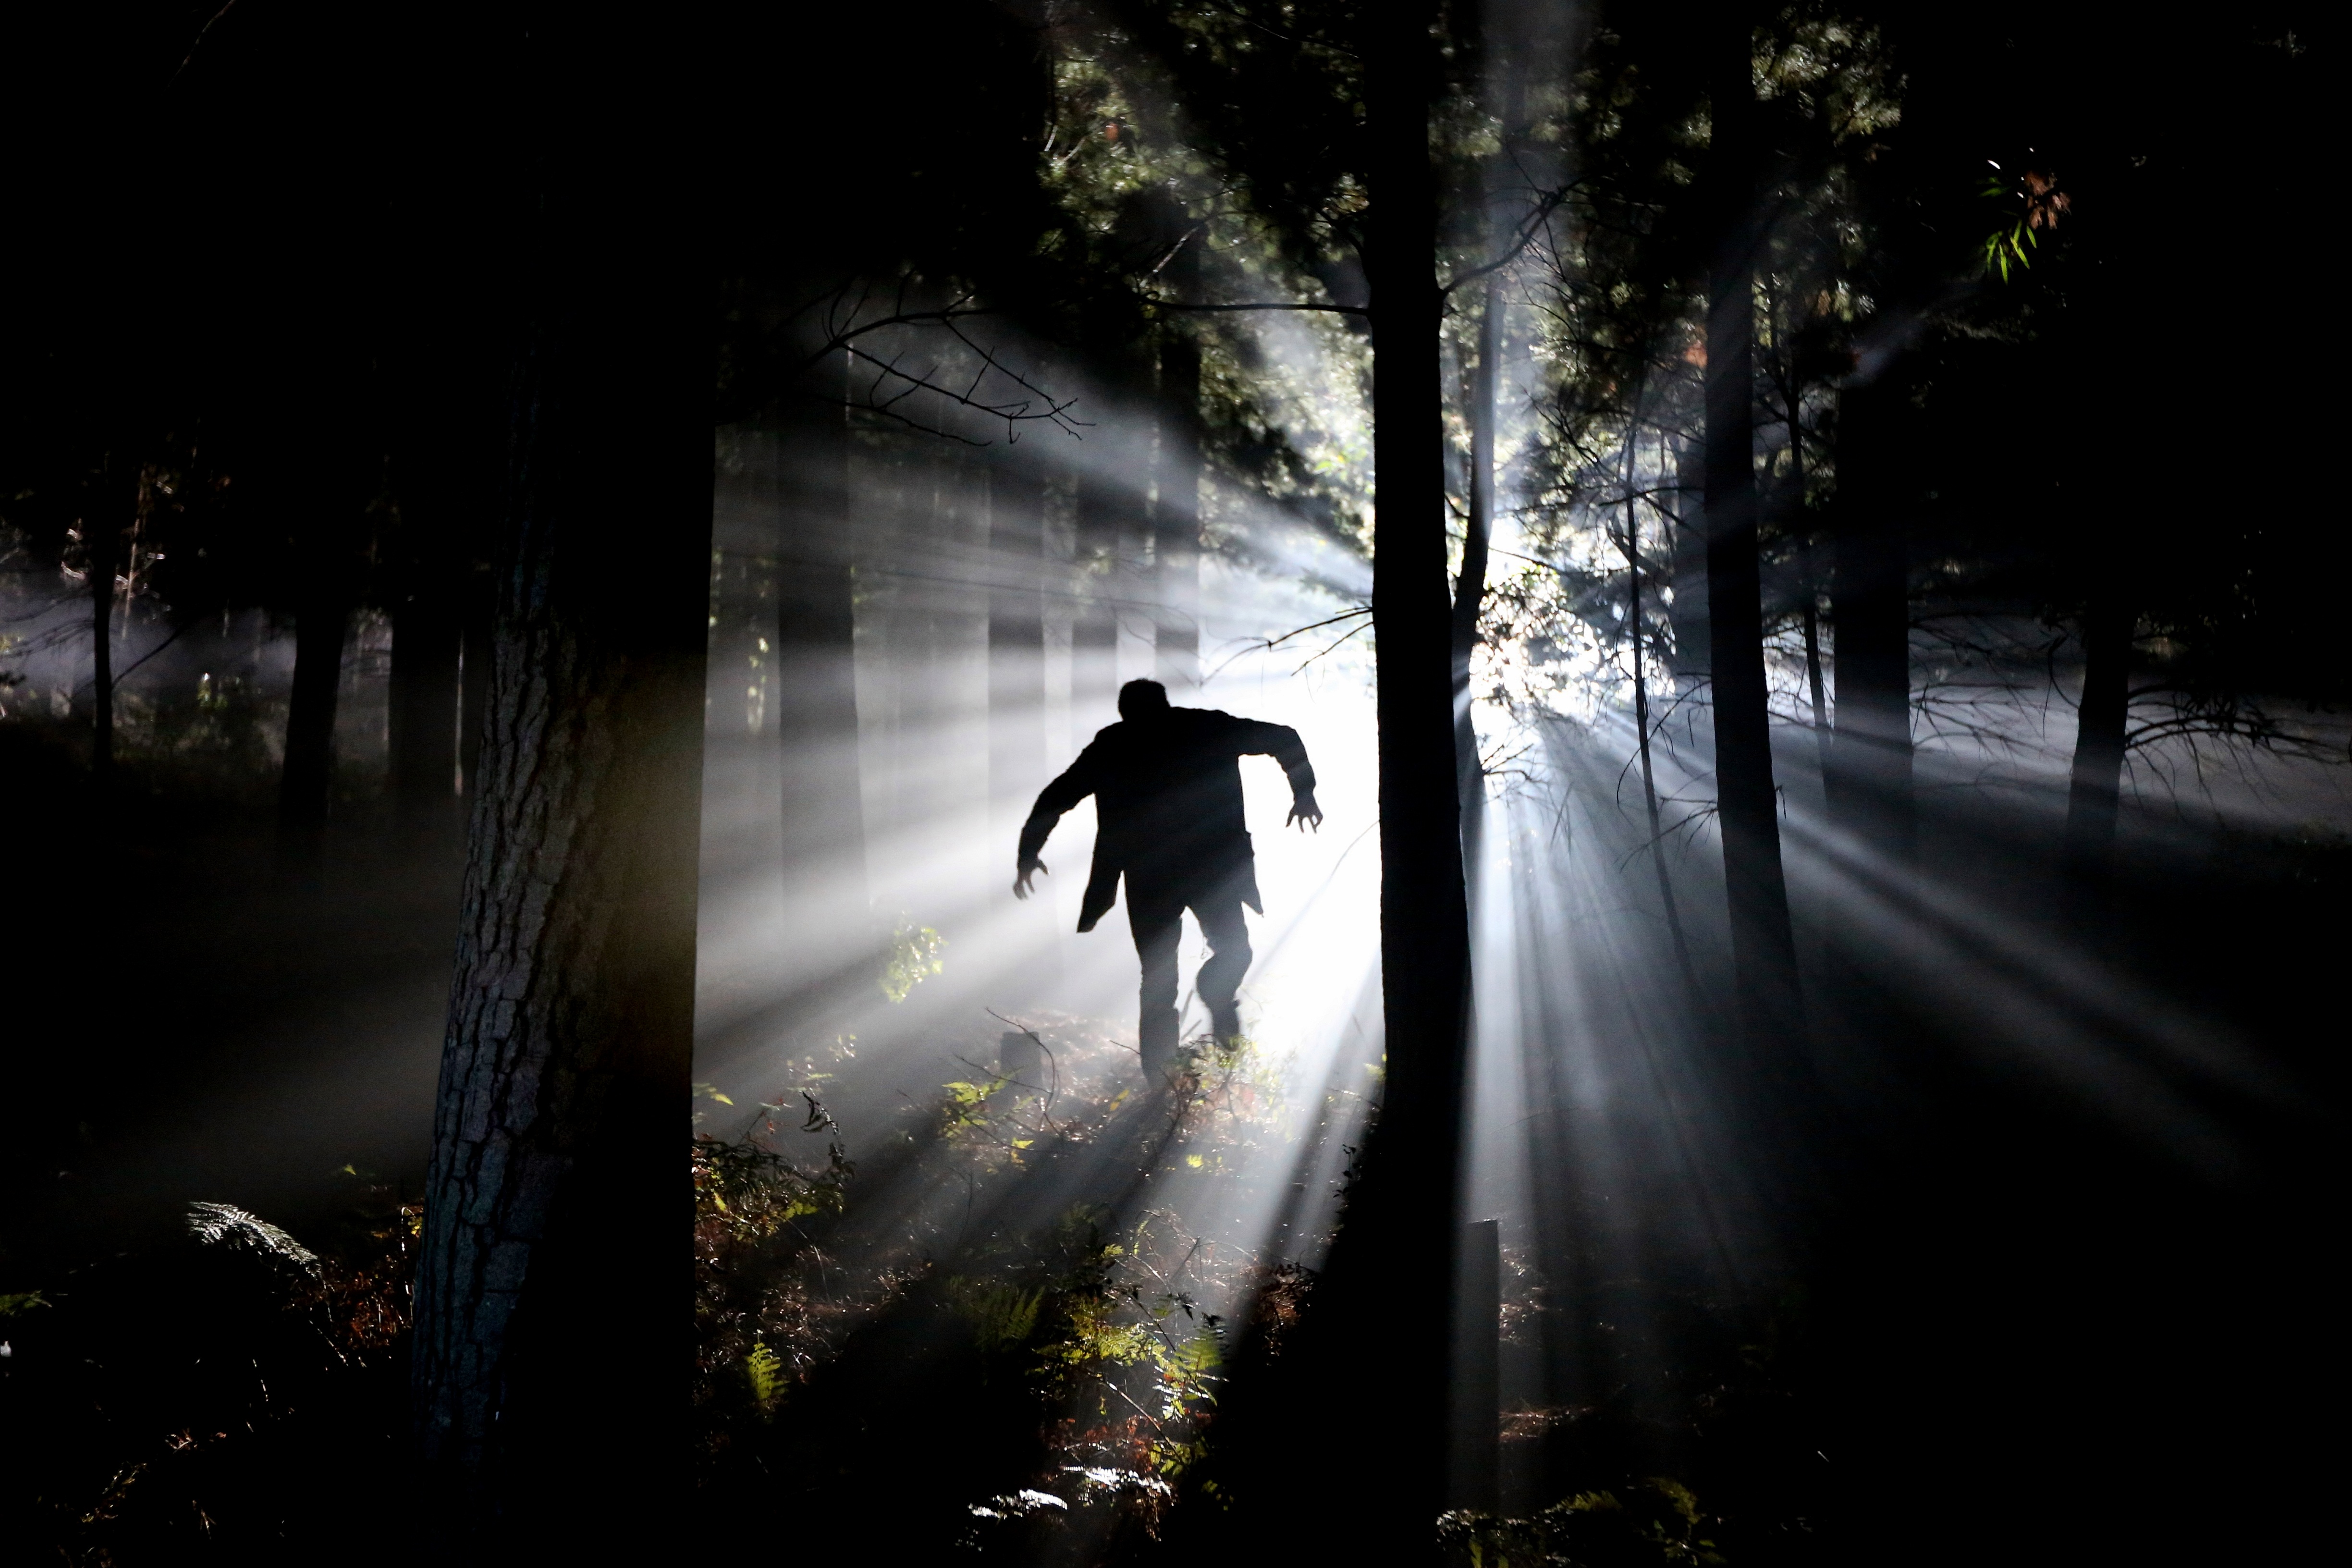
point(1143, 700)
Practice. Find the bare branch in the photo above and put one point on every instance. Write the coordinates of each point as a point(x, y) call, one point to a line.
point(1526, 232)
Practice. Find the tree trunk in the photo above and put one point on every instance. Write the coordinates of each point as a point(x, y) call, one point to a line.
point(1688, 616)
point(553, 1336)
point(1470, 588)
point(478, 613)
point(1094, 624)
point(1473, 1469)
point(426, 639)
point(1763, 949)
point(1869, 782)
point(102, 542)
point(1016, 643)
point(1176, 518)
point(2095, 793)
point(1391, 1278)
point(817, 666)
point(320, 626)
point(1404, 1206)
point(1815, 687)
point(1634, 622)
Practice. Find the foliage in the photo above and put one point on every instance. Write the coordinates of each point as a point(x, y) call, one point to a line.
point(213, 1397)
point(2038, 204)
point(915, 956)
point(1657, 1521)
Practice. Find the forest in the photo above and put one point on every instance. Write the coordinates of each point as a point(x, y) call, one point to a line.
point(547, 553)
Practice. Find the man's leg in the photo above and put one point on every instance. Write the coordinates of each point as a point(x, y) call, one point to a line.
point(1156, 922)
point(1220, 979)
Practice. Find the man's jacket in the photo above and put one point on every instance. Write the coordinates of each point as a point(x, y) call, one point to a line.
point(1168, 802)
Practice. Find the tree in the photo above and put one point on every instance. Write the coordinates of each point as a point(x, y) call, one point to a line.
point(1424, 917)
point(816, 632)
point(1763, 949)
point(1869, 776)
point(556, 1178)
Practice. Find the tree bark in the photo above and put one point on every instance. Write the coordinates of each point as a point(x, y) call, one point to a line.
point(1869, 785)
point(1392, 1274)
point(1763, 949)
point(1816, 689)
point(2095, 793)
point(307, 780)
point(1176, 516)
point(102, 542)
point(554, 1343)
point(425, 639)
point(1634, 622)
point(1688, 616)
point(1404, 1206)
point(478, 614)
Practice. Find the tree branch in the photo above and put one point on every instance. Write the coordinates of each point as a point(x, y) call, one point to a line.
point(1528, 230)
point(1270, 305)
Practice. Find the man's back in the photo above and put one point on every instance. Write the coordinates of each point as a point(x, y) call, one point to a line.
point(1172, 782)
point(1167, 784)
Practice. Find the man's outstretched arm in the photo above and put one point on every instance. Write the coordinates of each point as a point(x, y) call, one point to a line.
point(1076, 782)
point(1281, 742)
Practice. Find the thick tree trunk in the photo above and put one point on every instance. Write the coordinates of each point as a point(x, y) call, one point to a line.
point(2095, 793)
point(553, 1322)
point(1377, 1486)
point(1870, 790)
point(1402, 1228)
point(1763, 949)
point(426, 641)
point(306, 780)
point(1176, 517)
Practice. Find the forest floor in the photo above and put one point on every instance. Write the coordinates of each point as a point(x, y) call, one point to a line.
point(2035, 1316)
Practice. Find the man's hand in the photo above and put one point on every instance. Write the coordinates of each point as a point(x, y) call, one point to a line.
point(1305, 812)
point(1021, 887)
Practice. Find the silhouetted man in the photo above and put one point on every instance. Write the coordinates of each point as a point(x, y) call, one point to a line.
point(1167, 783)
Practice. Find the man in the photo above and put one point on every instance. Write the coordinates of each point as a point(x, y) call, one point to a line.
point(1167, 783)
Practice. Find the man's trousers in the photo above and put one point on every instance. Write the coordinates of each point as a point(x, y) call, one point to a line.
point(1155, 913)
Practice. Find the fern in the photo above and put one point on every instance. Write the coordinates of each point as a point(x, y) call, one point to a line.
point(999, 1315)
point(764, 1370)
